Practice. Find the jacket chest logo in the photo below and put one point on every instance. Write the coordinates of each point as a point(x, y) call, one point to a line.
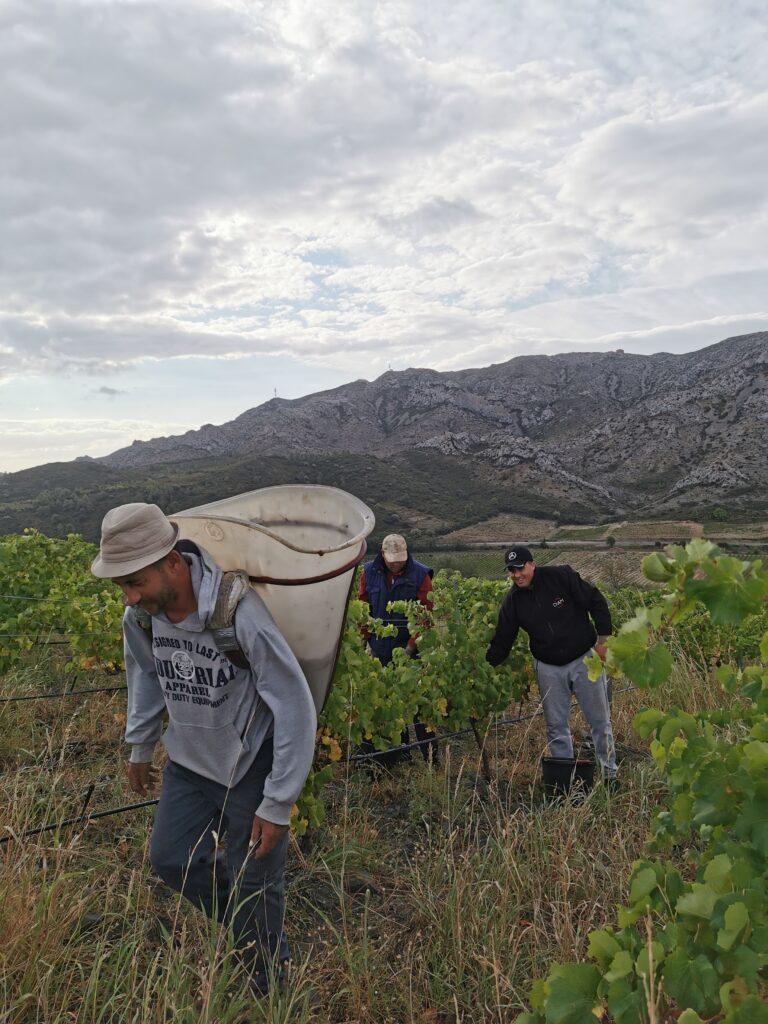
point(558, 602)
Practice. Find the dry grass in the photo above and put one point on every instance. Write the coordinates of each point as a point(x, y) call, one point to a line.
point(429, 896)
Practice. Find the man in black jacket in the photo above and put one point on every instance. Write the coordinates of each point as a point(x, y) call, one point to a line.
point(565, 618)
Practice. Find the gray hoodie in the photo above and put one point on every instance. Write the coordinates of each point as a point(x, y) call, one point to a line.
point(219, 715)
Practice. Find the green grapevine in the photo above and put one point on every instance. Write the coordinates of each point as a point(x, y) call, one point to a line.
point(447, 685)
point(693, 940)
point(47, 593)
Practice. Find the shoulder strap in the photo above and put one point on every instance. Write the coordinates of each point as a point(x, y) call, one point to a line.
point(233, 588)
point(143, 619)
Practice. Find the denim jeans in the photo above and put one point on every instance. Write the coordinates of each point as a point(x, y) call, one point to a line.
point(249, 895)
point(557, 685)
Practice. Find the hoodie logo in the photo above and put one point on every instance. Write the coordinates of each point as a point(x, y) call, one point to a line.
point(183, 665)
point(557, 603)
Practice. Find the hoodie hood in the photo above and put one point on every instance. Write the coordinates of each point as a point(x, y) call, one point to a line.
point(206, 579)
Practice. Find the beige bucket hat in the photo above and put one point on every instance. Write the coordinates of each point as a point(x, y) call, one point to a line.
point(132, 537)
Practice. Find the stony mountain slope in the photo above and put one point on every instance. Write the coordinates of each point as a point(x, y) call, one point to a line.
point(612, 431)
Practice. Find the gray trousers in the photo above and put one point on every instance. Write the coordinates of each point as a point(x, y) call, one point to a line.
point(249, 893)
point(557, 685)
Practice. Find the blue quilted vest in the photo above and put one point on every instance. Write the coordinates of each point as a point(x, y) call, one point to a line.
point(405, 587)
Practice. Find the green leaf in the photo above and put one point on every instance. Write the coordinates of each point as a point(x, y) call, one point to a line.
point(642, 885)
point(621, 965)
point(736, 919)
point(727, 677)
point(747, 964)
point(626, 1004)
point(732, 993)
point(643, 962)
point(718, 873)
point(715, 803)
point(538, 994)
point(646, 722)
point(677, 722)
point(642, 620)
point(628, 916)
point(726, 591)
point(687, 1017)
point(572, 994)
point(756, 754)
point(751, 1011)
point(669, 937)
point(602, 947)
point(647, 667)
point(657, 568)
point(699, 902)
point(595, 667)
point(698, 549)
point(692, 983)
point(759, 939)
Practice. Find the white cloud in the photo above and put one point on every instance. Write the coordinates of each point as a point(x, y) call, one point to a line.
point(375, 182)
point(674, 181)
point(29, 443)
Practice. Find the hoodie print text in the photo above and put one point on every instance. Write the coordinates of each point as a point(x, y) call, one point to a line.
point(190, 671)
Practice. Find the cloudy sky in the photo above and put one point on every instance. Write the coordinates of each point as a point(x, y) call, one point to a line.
point(208, 202)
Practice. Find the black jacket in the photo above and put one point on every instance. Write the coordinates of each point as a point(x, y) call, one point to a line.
point(555, 612)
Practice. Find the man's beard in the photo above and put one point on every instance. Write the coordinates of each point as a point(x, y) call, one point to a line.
point(158, 603)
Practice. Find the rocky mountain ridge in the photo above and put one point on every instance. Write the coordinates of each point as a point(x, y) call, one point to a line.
point(624, 431)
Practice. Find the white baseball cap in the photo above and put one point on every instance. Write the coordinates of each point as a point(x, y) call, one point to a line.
point(394, 547)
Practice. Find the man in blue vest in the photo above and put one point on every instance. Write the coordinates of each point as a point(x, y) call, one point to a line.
point(395, 575)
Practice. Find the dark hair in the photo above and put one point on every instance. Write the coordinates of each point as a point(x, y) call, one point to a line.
point(159, 562)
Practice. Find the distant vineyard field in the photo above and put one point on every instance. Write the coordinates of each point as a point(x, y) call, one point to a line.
point(511, 528)
point(671, 529)
point(610, 568)
point(503, 528)
point(757, 531)
point(580, 533)
point(607, 568)
point(486, 564)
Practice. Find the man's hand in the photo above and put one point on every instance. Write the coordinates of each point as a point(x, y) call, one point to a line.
point(142, 777)
point(601, 650)
point(265, 836)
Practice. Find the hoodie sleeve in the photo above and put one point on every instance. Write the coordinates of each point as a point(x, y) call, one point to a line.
point(283, 688)
point(146, 705)
point(592, 600)
point(506, 632)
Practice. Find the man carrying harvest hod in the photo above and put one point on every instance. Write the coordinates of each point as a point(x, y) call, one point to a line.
point(240, 734)
point(565, 618)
